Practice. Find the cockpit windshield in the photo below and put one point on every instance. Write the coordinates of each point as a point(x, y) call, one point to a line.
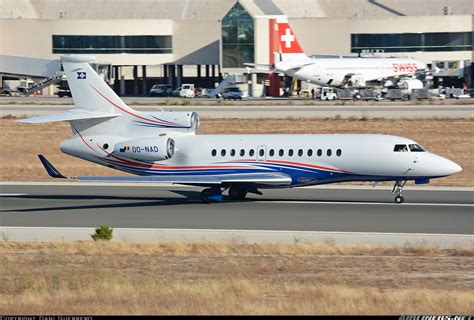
point(400, 148)
point(411, 147)
point(416, 148)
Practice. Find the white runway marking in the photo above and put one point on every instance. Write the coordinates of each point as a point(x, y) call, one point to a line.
point(12, 194)
point(372, 203)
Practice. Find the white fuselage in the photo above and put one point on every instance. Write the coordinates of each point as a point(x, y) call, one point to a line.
point(336, 71)
point(307, 158)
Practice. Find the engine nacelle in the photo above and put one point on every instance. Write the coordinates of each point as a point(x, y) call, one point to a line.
point(147, 149)
point(178, 120)
point(410, 84)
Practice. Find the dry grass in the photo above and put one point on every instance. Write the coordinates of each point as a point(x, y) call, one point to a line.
point(452, 138)
point(232, 278)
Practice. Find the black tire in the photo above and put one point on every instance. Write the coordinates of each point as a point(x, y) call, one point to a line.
point(205, 194)
point(237, 193)
point(399, 199)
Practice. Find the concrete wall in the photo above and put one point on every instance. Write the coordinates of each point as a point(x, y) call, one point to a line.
point(33, 38)
point(333, 36)
point(196, 42)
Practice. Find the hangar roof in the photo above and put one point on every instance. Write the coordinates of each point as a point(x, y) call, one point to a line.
point(216, 9)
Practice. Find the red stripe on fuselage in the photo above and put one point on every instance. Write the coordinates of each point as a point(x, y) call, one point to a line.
point(82, 138)
point(130, 113)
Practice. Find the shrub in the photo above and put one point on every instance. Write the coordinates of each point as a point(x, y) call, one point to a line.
point(102, 233)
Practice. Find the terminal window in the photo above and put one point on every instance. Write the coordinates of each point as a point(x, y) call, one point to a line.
point(411, 42)
point(237, 38)
point(111, 44)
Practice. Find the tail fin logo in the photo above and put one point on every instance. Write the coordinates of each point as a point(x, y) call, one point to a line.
point(81, 75)
point(288, 41)
point(287, 38)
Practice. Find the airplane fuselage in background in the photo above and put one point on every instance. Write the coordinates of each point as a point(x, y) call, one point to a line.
point(335, 71)
point(292, 61)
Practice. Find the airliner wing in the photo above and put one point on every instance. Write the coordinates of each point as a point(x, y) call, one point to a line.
point(199, 180)
point(274, 178)
point(261, 65)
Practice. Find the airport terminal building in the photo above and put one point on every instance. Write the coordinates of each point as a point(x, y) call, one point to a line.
point(145, 42)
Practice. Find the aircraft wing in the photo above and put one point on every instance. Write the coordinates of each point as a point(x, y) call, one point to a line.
point(261, 65)
point(274, 178)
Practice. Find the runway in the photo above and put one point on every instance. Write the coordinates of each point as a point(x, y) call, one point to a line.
point(349, 209)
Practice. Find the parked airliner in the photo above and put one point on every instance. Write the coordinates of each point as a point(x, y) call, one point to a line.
point(164, 147)
point(338, 72)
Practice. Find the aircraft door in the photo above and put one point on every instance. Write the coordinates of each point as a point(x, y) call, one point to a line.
point(262, 153)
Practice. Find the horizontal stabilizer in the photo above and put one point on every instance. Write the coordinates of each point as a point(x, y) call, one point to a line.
point(69, 115)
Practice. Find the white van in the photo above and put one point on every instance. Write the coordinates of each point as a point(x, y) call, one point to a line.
point(187, 90)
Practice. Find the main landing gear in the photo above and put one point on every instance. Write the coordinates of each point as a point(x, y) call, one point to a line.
point(397, 189)
point(214, 194)
point(237, 193)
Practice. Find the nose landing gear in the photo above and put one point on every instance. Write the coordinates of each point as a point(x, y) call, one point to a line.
point(397, 189)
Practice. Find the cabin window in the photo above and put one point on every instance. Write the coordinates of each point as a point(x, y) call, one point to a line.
point(214, 152)
point(338, 152)
point(290, 152)
point(242, 152)
point(320, 152)
point(251, 152)
point(223, 152)
point(416, 148)
point(232, 152)
point(261, 152)
point(300, 152)
point(400, 148)
point(281, 153)
point(329, 152)
point(272, 152)
point(310, 152)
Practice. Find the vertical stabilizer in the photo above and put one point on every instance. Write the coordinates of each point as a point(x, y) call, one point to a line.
point(289, 47)
point(89, 90)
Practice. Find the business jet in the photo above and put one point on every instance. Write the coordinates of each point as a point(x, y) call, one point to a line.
point(164, 147)
point(337, 72)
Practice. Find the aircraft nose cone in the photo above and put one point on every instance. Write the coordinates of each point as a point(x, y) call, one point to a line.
point(449, 167)
point(454, 167)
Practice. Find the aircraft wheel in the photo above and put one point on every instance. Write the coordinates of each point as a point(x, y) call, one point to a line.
point(205, 195)
point(237, 193)
point(399, 199)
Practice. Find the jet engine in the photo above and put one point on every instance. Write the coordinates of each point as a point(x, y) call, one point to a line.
point(185, 121)
point(147, 149)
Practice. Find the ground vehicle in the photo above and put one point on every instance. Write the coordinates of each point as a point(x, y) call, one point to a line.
point(232, 93)
point(187, 91)
point(326, 93)
point(161, 90)
point(64, 93)
point(470, 92)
